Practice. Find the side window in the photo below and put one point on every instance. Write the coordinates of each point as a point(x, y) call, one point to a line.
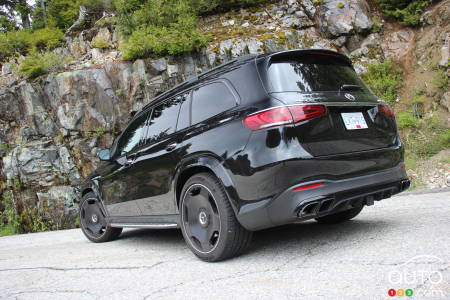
point(163, 120)
point(211, 100)
point(183, 116)
point(130, 138)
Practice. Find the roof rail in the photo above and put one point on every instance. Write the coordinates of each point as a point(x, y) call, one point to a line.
point(196, 78)
point(237, 59)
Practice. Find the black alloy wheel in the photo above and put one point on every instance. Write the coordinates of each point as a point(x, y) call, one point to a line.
point(208, 222)
point(93, 222)
point(201, 218)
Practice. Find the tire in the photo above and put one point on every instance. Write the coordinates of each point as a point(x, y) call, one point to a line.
point(340, 216)
point(93, 222)
point(208, 222)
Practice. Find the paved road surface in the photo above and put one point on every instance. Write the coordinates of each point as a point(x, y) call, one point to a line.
point(403, 242)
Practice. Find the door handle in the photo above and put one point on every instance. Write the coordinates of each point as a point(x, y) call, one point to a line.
point(171, 146)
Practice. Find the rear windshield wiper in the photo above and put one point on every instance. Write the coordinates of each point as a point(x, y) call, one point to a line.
point(350, 87)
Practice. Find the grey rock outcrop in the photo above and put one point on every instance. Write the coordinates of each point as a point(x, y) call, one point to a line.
point(343, 17)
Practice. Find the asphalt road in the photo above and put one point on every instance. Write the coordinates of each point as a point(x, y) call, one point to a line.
point(400, 243)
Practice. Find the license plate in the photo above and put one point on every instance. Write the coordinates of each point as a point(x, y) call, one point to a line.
point(354, 120)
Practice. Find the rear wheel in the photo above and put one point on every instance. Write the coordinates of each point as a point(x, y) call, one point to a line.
point(93, 222)
point(340, 216)
point(208, 222)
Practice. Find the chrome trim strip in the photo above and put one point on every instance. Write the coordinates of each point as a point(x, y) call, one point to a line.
point(149, 226)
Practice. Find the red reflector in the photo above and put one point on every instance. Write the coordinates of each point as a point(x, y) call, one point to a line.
point(307, 187)
point(387, 110)
point(283, 115)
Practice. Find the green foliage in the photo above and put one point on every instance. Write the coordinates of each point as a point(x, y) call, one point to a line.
point(47, 38)
point(408, 12)
point(100, 42)
point(39, 63)
point(204, 7)
point(407, 120)
point(385, 80)
point(10, 217)
point(377, 25)
point(98, 132)
point(153, 40)
point(14, 43)
point(16, 217)
point(4, 148)
point(158, 27)
point(6, 229)
point(21, 42)
point(63, 13)
point(423, 138)
point(442, 80)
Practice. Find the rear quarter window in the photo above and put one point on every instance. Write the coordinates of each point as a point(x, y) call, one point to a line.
point(210, 100)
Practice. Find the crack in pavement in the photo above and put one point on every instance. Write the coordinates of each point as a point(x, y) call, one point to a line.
point(16, 294)
point(84, 268)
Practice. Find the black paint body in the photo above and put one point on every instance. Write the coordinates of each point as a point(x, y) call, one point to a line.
point(259, 168)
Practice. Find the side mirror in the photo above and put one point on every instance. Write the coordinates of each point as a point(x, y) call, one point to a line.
point(104, 154)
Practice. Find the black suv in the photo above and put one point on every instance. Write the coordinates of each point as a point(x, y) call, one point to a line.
point(258, 142)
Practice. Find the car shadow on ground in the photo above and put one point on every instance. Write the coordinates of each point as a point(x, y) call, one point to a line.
point(279, 239)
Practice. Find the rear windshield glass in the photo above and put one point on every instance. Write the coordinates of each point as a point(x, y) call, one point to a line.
point(311, 73)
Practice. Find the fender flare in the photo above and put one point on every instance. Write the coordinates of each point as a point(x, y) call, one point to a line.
point(217, 168)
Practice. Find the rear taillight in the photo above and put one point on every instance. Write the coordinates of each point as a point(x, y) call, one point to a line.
point(386, 110)
point(283, 115)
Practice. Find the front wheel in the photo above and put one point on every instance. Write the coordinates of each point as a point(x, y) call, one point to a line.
point(208, 222)
point(93, 222)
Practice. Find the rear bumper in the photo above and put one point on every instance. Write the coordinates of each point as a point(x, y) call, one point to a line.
point(333, 196)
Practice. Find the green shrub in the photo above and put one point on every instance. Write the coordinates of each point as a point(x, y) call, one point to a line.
point(153, 40)
point(39, 63)
point(159, 27)
point(204, 7)
point(438, 140)
point(13, 43)
point(63, 13)
point(385, 80)
point(407, 120)
point(442, 80)
point(47, 38)
point(21, 42)
point(407, 12)
point(100, 42)
point(6, 229)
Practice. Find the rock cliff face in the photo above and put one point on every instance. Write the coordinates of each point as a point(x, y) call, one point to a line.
point(51, 128)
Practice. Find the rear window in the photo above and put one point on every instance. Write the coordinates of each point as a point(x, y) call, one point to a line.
point(311, 73)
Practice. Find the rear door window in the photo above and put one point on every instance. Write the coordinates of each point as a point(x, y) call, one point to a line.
point(163, 120)
point(311, 73)
point(210, 100)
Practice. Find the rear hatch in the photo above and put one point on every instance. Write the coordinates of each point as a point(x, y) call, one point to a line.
point(355, 120)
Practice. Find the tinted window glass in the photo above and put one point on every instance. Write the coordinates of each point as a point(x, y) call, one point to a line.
point(183, 117)
point(163, 120)
point(130, 138)
point(311, 74)
point(210, 100)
